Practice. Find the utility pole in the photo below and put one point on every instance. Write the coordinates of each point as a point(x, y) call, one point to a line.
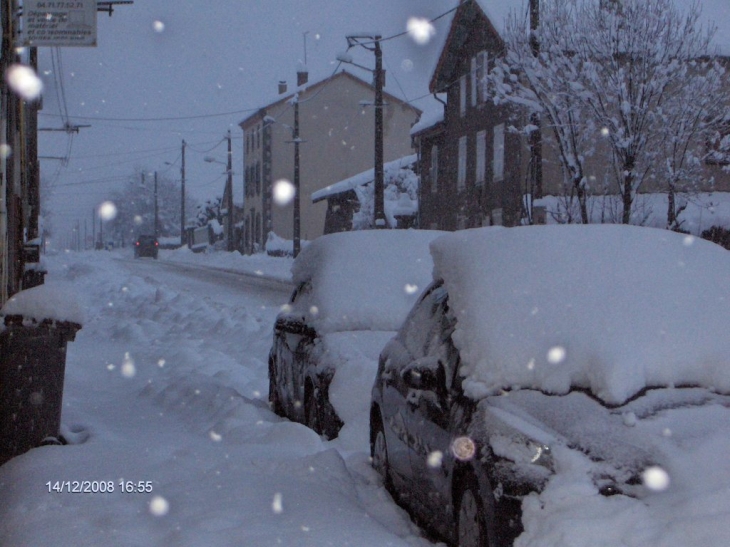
point(297, 210)
point(229, 189)
point(378, 82)
point(535, 139)
point(379, 212)
point(182, 195)
point(157, 211)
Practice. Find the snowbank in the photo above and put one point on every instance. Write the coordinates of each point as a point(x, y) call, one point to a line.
point(608, 308)
point(49, 301)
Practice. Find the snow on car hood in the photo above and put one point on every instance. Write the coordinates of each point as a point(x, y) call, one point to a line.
point(608, 308)
point(647, 431)
point(684, 432)
point(366, 280)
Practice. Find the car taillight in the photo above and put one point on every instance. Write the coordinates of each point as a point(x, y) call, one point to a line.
point(156, 244)
point(137, 243)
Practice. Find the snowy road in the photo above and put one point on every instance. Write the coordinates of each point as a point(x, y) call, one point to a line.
point(166, 383)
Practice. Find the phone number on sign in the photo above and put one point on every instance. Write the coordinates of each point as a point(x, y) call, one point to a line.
point(99, 487)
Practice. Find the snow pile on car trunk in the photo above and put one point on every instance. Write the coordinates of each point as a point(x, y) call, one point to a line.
point(609, 308)
point(365, 280)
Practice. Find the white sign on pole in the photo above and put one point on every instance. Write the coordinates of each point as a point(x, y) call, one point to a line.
point(59, 23)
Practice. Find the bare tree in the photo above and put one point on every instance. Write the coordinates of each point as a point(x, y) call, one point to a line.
point(136, 206)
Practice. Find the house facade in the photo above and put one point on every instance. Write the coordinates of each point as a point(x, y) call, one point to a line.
point(474, 170)
point(336, 131)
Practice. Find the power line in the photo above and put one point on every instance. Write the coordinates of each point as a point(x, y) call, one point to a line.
point(162, 119)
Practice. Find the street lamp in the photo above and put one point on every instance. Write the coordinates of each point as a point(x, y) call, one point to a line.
point(229, 190)
point(365, 41)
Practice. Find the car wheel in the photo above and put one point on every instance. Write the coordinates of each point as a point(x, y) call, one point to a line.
point(274, 400)
point(379, 454)
point(470, 526)
point(312, 412)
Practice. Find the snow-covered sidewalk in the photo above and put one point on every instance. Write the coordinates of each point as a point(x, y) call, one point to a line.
point(167, 383)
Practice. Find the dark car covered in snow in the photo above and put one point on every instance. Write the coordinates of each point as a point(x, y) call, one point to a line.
point(561, 368)
point(353, 289)
point(146, 245)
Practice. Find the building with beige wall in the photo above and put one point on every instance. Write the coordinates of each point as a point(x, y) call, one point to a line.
point(336, 129)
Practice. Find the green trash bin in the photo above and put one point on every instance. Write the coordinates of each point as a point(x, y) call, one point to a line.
point(32, 368)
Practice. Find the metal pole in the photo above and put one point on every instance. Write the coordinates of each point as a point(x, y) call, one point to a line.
point(182, 195)
point(229, 189)
point(536, 135)
point(379, 206)
point(157, 211)
point(297, 211)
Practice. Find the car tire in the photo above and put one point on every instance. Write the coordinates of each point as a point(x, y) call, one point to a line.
point(313, 411)
point(471, 528)
point(274, 400)
point(379, 453)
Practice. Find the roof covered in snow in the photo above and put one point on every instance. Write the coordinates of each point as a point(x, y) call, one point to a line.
point(609, 308)
point(362, 178)
point(365, 280)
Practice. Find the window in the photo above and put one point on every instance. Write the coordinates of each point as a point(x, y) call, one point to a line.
point(474, 81)
point(482, 71)
point(258, 178)
point(434, 172)
point(498, 163)
point(481, 160)
point(461, 174)
point(462, 96)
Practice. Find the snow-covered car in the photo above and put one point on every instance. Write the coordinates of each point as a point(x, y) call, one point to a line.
point(568, 382)
point(353, 290)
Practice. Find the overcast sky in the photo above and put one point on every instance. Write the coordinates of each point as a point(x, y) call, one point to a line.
point(191, 69)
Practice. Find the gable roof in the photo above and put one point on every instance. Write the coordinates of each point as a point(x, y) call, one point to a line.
point(491, 13)
point(309, 88)
point(494, 14)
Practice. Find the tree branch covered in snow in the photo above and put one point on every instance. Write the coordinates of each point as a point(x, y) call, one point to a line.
point(639, 72)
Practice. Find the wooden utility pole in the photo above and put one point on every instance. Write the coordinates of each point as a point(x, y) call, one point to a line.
point(379, 182)
point(378, 83)
point(229, 189)
point(157, 211)
point(535, 139)
point(297, 210)
point(182, 195)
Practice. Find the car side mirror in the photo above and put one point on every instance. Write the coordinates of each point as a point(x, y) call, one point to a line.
point(293, 324)
point(426, 373)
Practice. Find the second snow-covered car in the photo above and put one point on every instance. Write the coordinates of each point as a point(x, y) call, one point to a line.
point(566, 381)
point(353, 290)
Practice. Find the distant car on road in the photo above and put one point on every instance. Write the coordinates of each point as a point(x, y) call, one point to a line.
point(353, 289)
point(146, 245)
point(587, 357)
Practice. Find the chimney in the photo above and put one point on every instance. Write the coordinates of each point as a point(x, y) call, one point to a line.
point(302, 77)
point(282, 86)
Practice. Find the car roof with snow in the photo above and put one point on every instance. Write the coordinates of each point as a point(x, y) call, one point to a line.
point(608, 308)
point(363, 280)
